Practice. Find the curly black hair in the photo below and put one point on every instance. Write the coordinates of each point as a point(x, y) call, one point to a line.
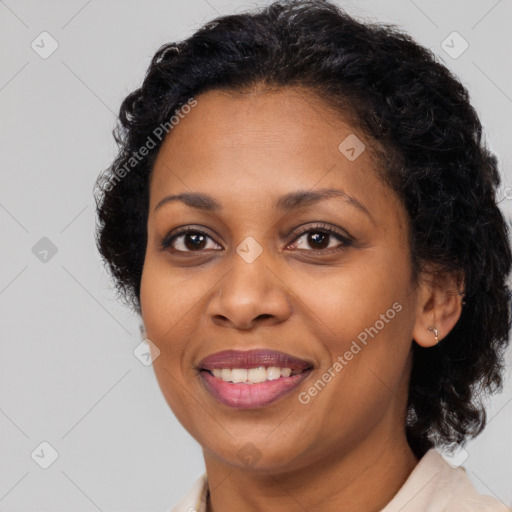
point(432, 154)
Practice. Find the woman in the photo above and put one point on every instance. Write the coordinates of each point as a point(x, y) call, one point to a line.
point(303, 212)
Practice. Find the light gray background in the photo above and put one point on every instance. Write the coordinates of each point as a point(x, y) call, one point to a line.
point(68, 375)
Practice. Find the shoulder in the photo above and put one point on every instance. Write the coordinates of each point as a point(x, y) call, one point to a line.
point(436, 485)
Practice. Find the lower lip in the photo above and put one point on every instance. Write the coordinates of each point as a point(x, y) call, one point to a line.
point(251, 396)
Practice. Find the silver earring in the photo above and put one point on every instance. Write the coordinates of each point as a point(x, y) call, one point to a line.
point(431, 328)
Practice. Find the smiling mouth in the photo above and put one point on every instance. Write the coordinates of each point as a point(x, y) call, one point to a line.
point(252, 379)
point(253, 375)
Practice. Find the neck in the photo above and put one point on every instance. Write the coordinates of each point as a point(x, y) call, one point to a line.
point(363, 479)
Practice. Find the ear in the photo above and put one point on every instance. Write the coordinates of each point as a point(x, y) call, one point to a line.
point(439, 307)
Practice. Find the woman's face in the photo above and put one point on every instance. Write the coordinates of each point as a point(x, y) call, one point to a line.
point(259, 272)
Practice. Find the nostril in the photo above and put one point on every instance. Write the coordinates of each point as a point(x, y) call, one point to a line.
point(264, 316)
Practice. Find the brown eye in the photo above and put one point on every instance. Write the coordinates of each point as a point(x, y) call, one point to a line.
point(320, 239)
point(194, 241)
point(189, 240)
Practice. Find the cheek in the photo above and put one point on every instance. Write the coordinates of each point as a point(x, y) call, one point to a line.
point(364, 317)
point(164, 306)
point(166, 295)
point(364, 377)
point(352, 299)
point(165, 302)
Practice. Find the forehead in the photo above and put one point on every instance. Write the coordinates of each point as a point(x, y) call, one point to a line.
point(252, 125)
point(261, 144)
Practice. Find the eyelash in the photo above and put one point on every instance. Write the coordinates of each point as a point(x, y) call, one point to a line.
point(320, 228)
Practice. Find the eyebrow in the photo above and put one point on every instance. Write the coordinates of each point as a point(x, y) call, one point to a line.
point(288, 202)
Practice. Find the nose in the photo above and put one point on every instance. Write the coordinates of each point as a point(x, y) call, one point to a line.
point(250, 294)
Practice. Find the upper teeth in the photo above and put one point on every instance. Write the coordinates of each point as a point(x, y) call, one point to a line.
point(253, 375)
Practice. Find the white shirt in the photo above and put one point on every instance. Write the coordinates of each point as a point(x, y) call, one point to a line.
point(432, 486)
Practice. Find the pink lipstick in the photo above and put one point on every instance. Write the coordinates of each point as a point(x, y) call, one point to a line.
point(254, 378)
